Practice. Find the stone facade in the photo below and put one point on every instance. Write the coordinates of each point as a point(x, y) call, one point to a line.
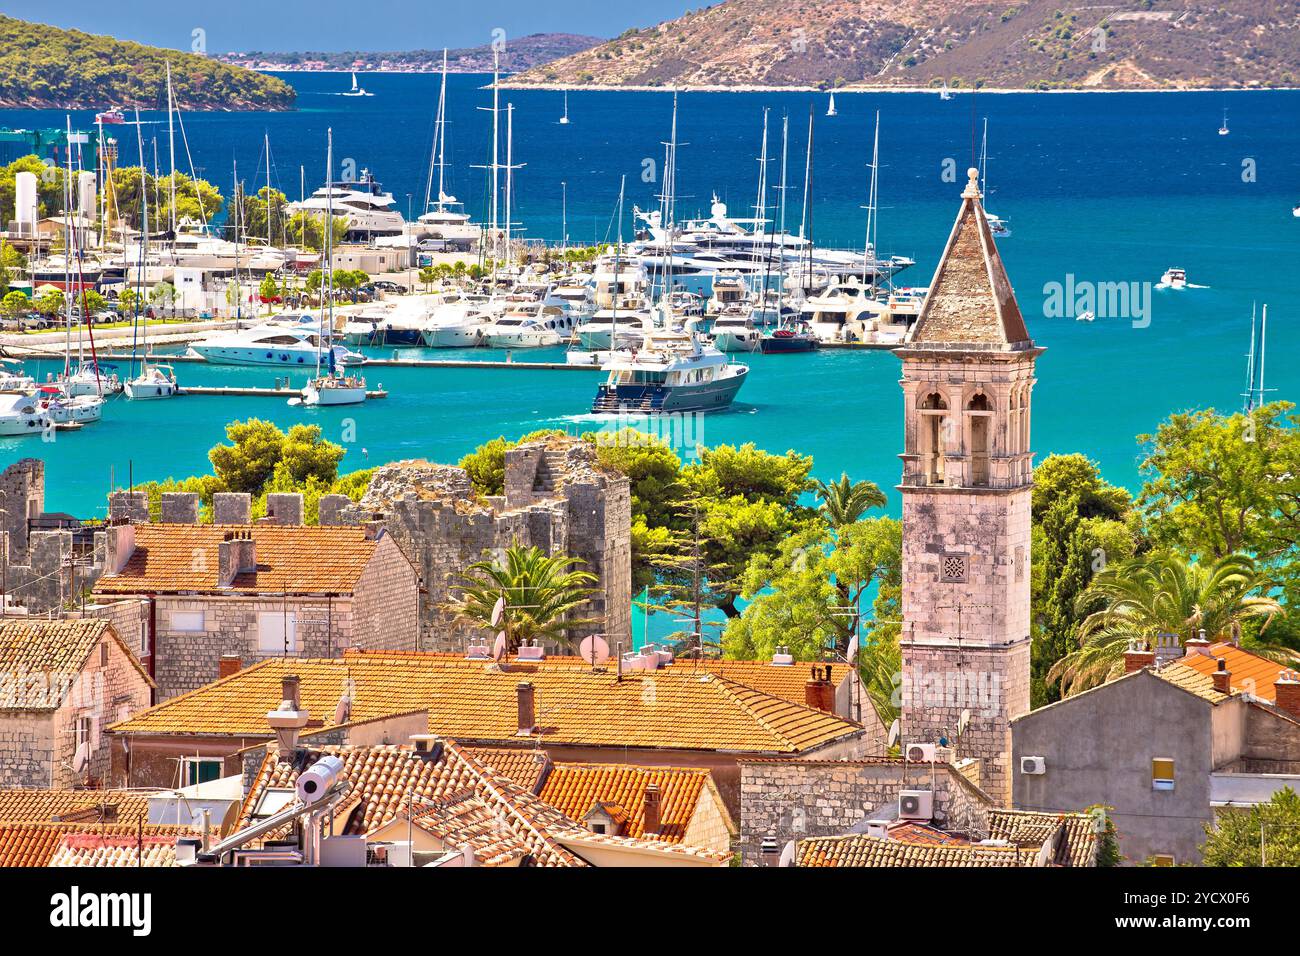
point(557, 498)
point(43, 720)
point(797, 799)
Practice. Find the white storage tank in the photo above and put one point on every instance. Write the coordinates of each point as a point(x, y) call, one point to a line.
point(25, 203)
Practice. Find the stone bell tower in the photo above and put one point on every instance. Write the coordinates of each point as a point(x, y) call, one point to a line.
point(968, 371)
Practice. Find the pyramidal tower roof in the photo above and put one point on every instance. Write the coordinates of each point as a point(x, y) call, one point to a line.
point(970, 304)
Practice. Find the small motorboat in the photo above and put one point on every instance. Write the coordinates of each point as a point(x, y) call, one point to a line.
point(1084, 317)
point(1174, 278)
point(797, 338)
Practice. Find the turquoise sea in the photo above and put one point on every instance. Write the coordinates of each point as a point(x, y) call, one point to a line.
point(1106, 187)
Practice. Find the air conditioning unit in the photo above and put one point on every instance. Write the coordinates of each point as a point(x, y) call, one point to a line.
point(920, 753)
point(915, 805)
point(1033, 765)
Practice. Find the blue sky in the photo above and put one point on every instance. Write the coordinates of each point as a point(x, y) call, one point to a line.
point(352, 25)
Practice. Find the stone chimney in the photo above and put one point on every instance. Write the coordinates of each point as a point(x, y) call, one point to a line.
point(818, 691)
point(285, 508)
point(1222, 678)
point(1167, 648)
point(231, 507)
point(119, 545)
point(1287, 689)
point(289, 718)
point(180, 507)
point(1198, 645)
point(770, 851)
point(236, 554)
point(128, 506)
point(1137, 657)
point(650, 809)
point(527, 711)
point(330, 509)
point(229, 665)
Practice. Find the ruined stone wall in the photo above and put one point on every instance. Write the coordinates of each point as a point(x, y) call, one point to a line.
point(26, 748)
point(22, 496)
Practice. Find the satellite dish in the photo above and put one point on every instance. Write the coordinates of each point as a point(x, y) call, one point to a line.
point(497, 610)
point(787, 855)
point(594, 649)
point(851, 653)
point(893, 734)
point(963, 722)
point(499, 646)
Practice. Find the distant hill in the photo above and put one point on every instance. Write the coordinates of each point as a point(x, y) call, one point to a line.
point(45, 67)
point(520, 53)
point(1009, 44)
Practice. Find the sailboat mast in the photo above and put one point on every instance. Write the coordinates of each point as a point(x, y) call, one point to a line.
point(510, 169)
point(171, 149)
point(329, 240)
point(780, 270)
point(1250, 365)
point(67, 254)
point(234, 171)
point(807, 175)
point(760, 203)
point(869, 253)
point(266, 144)
point(442, 129)
point(496, 99)
point(144, 247)
point(1263, 343)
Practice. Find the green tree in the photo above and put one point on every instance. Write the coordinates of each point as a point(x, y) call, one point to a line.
point(15, 304)
point(1163, 593)
point(844, 501)
point(540, 591)
point(49, 303)
point(258, 450)
point(1080, 523)
point(163, 295)
point(1267, 834)
point(268, 290)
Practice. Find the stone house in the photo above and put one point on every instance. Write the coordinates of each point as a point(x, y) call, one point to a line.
point(1165, 747)
point(218, 596)
point(62, 683)
point(556, 497)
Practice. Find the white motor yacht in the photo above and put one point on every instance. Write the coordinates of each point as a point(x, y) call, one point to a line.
point(368, 209)
point(666, 379)
point(729, 291)
point(21, 414)
point(529, 325)
point(613, 328)
point(839, 314)
point(1174, 278)
point(13, 378)
point(733, 331)
point(272, 343)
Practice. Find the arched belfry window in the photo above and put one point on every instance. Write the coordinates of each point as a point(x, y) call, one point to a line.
point(934, 429)
point(980, 425)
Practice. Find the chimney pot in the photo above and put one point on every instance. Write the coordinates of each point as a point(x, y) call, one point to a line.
point(1138, 657)
point(1198, 645)
point(527, 718)
point(818, 691)
point(1222, 679)
point(289, 689)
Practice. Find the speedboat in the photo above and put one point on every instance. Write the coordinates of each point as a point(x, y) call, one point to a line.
point(1174, 278)
point(153, 382)
point(332, 390)
point(789, 338)
point(21, 414)
point(697, 378)
point(1085, 316)
point(273, 343)
point(733, 331)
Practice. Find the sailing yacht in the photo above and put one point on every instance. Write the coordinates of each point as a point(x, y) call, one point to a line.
point(153, 382)
point(1223, 130)
point(997, 225)
point(357, 89)
point(564, 120)
point(446, 218)
point(830, 107)
point(333, 386)
point(945, 93)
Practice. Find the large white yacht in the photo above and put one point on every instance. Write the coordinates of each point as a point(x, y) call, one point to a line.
point(839, 314)
point(273, 343)
point(369, 210)
point(528, 325)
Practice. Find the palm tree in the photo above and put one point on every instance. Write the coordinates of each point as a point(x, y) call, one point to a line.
point(1148, 595)
point(540, 592)
point(844, 502)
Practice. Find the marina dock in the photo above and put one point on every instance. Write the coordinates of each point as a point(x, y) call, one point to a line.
point(251, 392)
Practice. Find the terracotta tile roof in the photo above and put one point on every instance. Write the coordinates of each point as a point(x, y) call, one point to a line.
point(47, 648)
point(576, 788)
point(923, 835)
point(527, 768)
point(477, 703)
point(1192, 681)
point(53, 806)
point(1249, 673)
point(34, 844)
point(466, 820)
point(1031, 829)
point(97, 850)
point(298, 559)
point(856, 850)
point(577, 838)
point(387, 780)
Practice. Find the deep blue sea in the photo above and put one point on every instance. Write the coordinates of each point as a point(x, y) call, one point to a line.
point(1106, 187)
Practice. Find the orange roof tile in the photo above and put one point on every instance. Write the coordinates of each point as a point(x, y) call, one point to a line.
point(575, 788)
point(477, 703)
point(53, 806)
point(527, 768)
point(388, 780)
point(1249, 673)
point(34, 844)
point(38, 647)
point(1032, 828)
point(98, 850)
point(856, 849)
point(298, 559)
